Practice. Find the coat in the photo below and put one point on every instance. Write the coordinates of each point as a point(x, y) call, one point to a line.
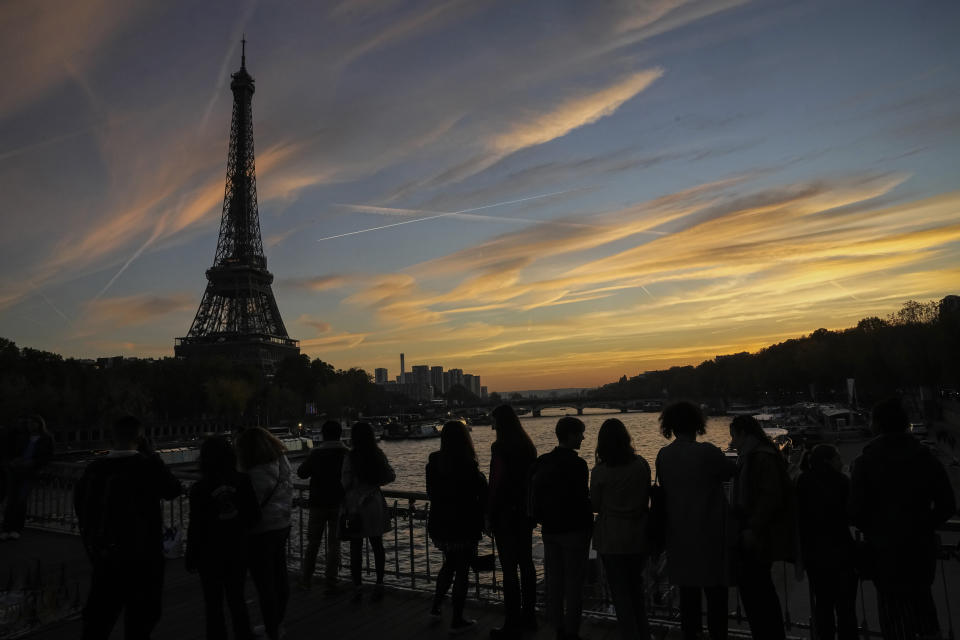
point(324, 466)
point(764, 503)
point(699, 532)
point(899, 494)
point(826, 545)
point(620, 495)
point(366, 499)
point(458, 497)
point(560, 492)
point(509, 488)
point(222, 510)
point(273, 485)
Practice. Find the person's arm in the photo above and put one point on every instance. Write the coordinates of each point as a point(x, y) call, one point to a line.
point(431, 480)
point(582, 480)
point(167, 484)
point(79, 497)
point(247, 503)
point(389, 474)
point(498, 471)
point(857, 507)
point(596, 489)
point(722, 468)
point(196, 531)
point(307, 467)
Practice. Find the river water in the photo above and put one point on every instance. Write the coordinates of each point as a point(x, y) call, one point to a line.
point(409, 457)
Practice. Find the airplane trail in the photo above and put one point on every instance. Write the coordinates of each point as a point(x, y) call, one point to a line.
point(444, 215)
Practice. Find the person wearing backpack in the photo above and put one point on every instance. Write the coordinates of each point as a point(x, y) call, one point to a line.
point(560, 495)
point(118, 506)
point(323, 467)
point(263, 457)
point(222, 508)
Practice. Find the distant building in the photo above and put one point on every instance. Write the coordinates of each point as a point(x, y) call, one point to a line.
point(468, 383)
point(436, 380)
point(483, 393)
point(456, 377)
point(403, 371)
point(476, 386)
point(380, 375)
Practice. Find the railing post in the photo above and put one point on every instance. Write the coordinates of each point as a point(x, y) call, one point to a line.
point(413, 570)
point(396, 542)
point(426, 536)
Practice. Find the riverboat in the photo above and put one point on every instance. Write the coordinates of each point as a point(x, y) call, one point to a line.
point(412, 430)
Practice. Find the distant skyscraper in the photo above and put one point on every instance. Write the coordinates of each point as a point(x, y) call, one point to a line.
point(468, 382)
point(456, 377)
point(238, 316)
point(380, 375)
point(403, 370)
point(436, 379)
point(483, 393)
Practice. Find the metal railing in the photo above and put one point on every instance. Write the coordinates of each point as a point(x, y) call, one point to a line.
point(412, 561)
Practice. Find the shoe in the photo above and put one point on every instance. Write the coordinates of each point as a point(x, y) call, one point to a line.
point(435, 611)
point(528, 622)
point(13, 535)
point(459, 626)
point(504, 633)
point(377, 592)
point(357, 595)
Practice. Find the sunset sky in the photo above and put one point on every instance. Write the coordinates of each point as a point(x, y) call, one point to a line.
point(546, 194)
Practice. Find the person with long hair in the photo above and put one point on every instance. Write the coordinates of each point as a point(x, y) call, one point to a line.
point(458, 495)
point(365, 470)
point(512, 455)
point(223, 507)
point(619, 489)
point(763, 505)
point(263, 457)
point(698, 546)
point(29, 447)
point(823, 495)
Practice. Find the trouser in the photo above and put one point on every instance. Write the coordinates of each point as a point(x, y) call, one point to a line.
point(322, 520)
point(18, 489)
point(565, 563)
point(625, 577)
point(835, 598)
point(267, 560)
point(691, 612)
point(131, 585)
point(515, 548)
point(760, 598)
point(907, 612)
point(455, 570)
point(225, 579)
point(356, 558)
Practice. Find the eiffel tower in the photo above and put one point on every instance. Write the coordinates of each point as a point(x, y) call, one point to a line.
point(238, 318)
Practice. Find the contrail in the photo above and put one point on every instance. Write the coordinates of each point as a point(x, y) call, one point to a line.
point(52, 306)
point(444, 215)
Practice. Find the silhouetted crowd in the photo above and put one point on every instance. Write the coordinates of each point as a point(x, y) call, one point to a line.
point(718, 520)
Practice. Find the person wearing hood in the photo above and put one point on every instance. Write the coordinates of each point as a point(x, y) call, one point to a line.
point(323, 467)
point(763, 506)
point(458, 497)
point(263, 457)
point(899, 495)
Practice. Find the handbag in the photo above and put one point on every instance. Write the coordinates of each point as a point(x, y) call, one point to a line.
point(656, 533)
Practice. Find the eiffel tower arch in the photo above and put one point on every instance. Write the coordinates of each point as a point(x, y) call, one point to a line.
point(238, 317)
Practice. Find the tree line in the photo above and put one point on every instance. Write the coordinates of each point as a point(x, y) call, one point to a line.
point(916, 347)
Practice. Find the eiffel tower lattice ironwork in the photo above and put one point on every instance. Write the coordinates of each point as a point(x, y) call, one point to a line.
point(238, 317)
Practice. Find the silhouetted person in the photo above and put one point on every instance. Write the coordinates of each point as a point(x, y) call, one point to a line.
point(223, 507)
point(324, 466)
point(458, 498)
point(899, 495)
point(118, 507)
point(365, 470)
point(823, 494)
point(26, 449)
point(619, 490)
point(560, 497)
point(263, 457)
point(698, 528)
point(763, 504)
point(511, 456)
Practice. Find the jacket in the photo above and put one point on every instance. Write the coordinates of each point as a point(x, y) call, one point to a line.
point(764, 502)
point(822, 504)
point(561, 492)
point(323, 466)
point(273, 486)
point(620, 495)
point(458, 496)
point(699, 530)
point(222, 510)
point(366, 500)
point(118, 505)
point(507, 497)
point(899, 494)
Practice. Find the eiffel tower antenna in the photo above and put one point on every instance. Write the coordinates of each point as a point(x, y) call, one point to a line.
point(238, 317)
